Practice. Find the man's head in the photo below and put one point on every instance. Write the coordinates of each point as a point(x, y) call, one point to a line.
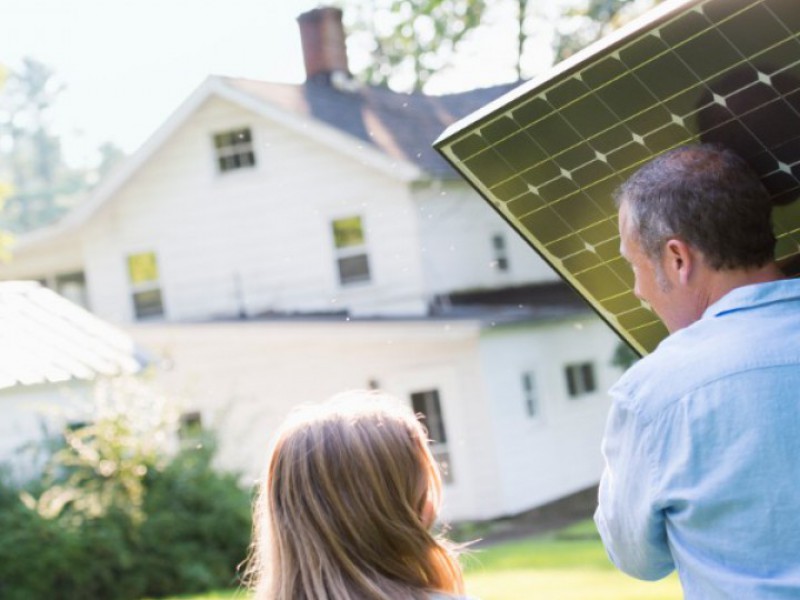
point(692, 221)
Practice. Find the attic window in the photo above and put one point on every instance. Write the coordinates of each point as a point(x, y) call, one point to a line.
point(234, 150)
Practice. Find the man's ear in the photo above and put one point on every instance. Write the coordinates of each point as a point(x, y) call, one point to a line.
point(679, 260)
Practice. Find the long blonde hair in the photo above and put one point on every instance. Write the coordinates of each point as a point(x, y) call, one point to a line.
point(346, 508)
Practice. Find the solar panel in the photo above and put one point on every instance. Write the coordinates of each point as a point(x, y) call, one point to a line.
point(549, 155)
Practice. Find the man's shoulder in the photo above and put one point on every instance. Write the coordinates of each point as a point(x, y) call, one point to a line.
point(706, 351)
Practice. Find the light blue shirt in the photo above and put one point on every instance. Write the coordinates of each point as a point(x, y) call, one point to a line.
point(702, 452)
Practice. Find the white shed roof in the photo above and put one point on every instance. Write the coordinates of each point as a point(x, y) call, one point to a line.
point(45, 338)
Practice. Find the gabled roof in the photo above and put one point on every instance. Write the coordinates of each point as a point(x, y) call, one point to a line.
point(45, 338)
point(386, 130)
point(402, 126)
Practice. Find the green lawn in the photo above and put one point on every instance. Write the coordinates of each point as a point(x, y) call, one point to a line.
point(567, 565)
point(570, 564)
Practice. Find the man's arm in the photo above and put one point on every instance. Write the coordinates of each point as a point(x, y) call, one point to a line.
point(628, 517)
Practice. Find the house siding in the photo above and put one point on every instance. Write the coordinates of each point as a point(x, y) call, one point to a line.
point(456, 227)
point(245, 377)
point(542, 459)
point(256, 240)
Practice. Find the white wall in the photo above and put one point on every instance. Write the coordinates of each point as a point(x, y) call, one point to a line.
point(541, 459)
point(29, 414)
point(44, 261)
point(258, 239)
point(245, 377)
point(456, 227)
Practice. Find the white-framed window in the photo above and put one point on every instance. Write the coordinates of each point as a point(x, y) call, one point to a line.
point(530, 395)
point(349, 241)
point(145, 285)
point(580, 378)
point(234, 149)
point(427, 404)
point(499, 253)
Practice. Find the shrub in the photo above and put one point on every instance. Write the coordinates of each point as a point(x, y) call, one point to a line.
point(118, 518)
point(197, 526)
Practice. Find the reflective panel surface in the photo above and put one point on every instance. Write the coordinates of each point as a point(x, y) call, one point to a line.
point(549, 155)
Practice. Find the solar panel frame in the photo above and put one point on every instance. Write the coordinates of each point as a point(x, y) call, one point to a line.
point(548, 155)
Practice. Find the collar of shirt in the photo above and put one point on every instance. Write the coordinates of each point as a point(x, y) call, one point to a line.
point(758, 294)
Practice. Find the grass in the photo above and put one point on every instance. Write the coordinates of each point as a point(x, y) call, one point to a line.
point(567, 565)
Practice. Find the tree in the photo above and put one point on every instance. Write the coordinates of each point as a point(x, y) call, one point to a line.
point(5, 189)
point(580, 26)
point(32, 153)
point(110, 156)
point(44, 185)
point(410, 40)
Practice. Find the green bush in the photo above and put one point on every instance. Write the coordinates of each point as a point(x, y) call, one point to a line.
point(197, 527)
point(108, 524)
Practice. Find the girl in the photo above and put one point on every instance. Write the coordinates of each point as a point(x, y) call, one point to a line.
point(346, 510)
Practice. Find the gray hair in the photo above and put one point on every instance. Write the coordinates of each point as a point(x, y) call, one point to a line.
point(707, 196)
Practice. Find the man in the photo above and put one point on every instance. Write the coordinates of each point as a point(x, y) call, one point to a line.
point(702, 446)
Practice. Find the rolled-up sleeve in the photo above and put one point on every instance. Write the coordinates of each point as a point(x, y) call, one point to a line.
point(629, 516)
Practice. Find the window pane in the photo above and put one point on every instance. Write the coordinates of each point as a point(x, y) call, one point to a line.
point(500, 254)
point(234, 149)
point(572, 384)
point(142, 268)
point(587, 370)
point(580, 379)
point(427, 404)
point(221, 140)
point(348, 232)
point(531, 397)
point(148, 304)
point(353, 269)
point(191, 426)
point(73, 287)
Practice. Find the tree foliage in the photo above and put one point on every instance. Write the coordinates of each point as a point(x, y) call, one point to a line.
point(124, 512)
point(5, 188)
point(410, 40)
point(580, 25)
point(43, 185)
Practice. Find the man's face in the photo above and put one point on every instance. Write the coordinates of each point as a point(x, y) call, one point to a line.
point(651, 282)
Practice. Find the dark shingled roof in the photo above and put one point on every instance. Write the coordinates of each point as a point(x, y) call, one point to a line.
point(403, 126)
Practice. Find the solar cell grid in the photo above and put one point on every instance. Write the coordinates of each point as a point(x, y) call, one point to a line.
point(550, 158)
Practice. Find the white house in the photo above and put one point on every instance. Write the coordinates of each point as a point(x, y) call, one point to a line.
point(51, 352)
point(282, 242)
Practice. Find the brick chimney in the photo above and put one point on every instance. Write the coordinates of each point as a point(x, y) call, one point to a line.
point(324, 50)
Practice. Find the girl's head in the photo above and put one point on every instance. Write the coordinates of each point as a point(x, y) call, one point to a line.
point(346, 509)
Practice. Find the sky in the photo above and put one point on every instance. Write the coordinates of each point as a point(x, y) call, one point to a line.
point(127, 65)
